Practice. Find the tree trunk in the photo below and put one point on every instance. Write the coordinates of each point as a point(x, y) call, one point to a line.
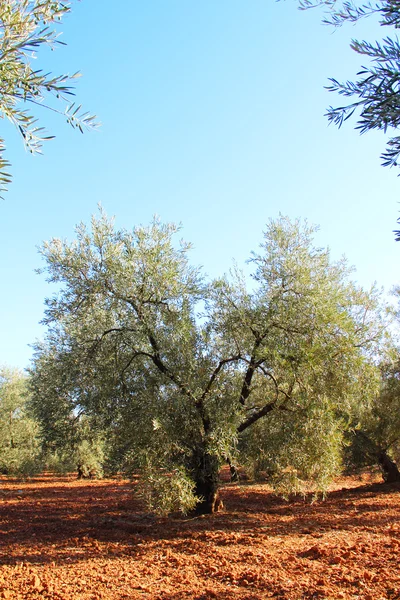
point(390, 471)
point(233, 470)
point(206, 476)
point(234, 473)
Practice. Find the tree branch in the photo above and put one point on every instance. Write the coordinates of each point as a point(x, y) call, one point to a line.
point(214, 375)
point(256, 416)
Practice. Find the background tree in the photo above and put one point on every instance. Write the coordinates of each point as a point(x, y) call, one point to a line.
point(25, 27)
point(179, 370)
point(19, 432)
point(71, 440)
point(374, 438)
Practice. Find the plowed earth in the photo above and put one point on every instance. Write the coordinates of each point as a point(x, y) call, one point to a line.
point(65, 539)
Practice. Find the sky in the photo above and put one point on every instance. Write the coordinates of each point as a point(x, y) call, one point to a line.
point(212, 116)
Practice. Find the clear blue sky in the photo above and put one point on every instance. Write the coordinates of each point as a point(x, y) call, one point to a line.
point(212, 115)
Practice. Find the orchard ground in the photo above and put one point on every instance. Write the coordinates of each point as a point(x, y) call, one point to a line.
point(65, 539)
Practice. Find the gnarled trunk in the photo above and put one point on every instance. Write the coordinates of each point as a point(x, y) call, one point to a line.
point(206, 477)
point(390, 471)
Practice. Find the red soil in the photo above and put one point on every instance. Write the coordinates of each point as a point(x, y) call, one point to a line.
point(65, 539)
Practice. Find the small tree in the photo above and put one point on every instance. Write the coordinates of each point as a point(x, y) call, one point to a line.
point(25, 27)
point(19, 432)
point(178, 369)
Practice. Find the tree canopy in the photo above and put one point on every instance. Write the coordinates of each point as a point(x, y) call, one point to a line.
point(26, 26)
point(178, 370)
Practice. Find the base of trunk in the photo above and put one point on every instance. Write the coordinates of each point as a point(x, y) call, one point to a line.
point(208, 504)
point(390, 471)
point(206, 477)
point(233, 470)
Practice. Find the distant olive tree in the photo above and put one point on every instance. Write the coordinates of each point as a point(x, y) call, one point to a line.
point(19, 432)
point(70, 439)
point(374, 438)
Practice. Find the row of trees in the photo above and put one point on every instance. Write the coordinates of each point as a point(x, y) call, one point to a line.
point(149, 366)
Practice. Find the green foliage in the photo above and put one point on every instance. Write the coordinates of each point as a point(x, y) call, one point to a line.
point(298, 452)
point(26, 27)
point(19, 432)
point(71, 439)
point(85, 457)
point(376, 422)
point(376, 90)
point(176, 371)
point(164, 493)
point(83, 452)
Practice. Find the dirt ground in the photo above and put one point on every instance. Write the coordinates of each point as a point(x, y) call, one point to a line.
point(65, 539)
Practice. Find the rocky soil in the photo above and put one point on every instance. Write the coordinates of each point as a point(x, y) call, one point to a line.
point(63, 539)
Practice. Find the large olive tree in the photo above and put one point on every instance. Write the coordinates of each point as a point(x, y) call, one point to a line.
point(177, 369)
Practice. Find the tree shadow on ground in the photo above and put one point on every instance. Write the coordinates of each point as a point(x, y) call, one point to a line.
point(70, 521)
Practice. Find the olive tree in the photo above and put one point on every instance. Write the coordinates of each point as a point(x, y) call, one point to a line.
point(19, 432)
point(374, 435)
point(179, 369)
point(70, 439)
